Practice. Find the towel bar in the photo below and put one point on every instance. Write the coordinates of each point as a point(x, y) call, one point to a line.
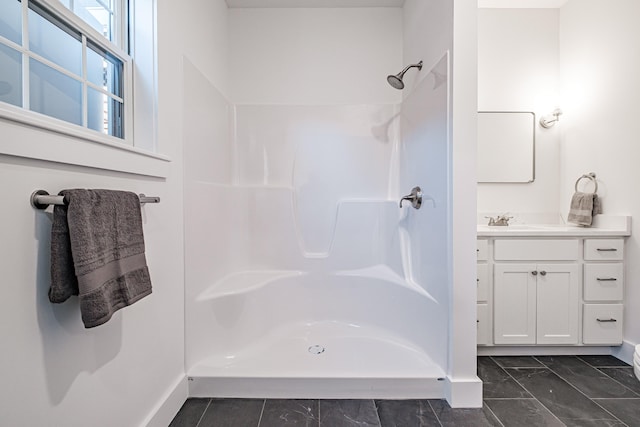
point(592, 177)
point(40, 199)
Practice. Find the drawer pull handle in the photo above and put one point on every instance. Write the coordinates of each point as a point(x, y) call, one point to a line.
point(606, 279)
point(606, 249)
point(606, 320)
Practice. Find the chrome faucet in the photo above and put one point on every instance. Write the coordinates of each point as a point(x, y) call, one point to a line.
point(499, 221)
point(415, 198)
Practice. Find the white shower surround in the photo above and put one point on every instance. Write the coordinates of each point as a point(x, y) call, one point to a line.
point(318, 252)
point(288, 62)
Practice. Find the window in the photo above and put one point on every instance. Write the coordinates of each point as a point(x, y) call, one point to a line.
point(67, 66)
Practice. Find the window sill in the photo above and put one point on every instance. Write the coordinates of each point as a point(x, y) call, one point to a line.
point(35, 136)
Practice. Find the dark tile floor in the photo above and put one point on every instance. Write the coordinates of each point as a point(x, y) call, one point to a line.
point(518, 391)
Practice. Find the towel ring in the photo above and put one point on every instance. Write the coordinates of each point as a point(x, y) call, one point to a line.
point(591, 176)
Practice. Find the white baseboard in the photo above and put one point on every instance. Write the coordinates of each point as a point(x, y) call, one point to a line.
point(464, 393)
point(169, 405)
point(542, 351)
point(624, 352)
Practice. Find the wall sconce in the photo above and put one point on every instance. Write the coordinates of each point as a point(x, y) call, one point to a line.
point(551, 119)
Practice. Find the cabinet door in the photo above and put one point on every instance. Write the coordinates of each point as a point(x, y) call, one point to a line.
point(514, 304)
point(602, 324)
point(483, 324)
point(483, 282)
point(558, 303)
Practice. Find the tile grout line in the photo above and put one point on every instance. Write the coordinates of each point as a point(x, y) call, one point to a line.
point(605, 366)
point(319, 400)
point(264, 403)
point(536, 399)
point(580, 391)
point(615, 380)
point(516, 381)
point(511, 398)
point(493, 413)
point(491, 410)
point(203, 412)
point(434, 413)
point(616, 398)
point(607, 411)
point(377, 414)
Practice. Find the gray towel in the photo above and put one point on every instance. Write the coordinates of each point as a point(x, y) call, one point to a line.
point(584, 206)
point(97, 253)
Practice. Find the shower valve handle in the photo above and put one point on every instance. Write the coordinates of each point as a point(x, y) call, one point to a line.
point(415, 198)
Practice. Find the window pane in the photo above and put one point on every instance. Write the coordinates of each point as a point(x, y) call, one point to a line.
point(94, 14)
point(52, 42)
point(54, 94)
point(11, 20)
point(10, 75)
point(105, 113)
point(104, 70)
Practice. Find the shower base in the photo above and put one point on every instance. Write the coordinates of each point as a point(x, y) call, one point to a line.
point(321, 360)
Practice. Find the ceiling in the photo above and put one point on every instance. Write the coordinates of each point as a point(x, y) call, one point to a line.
point(516, 4)
point(521, 4)
point(314, 3)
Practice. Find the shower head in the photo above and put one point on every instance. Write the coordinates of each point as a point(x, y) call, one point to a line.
point(396, 80)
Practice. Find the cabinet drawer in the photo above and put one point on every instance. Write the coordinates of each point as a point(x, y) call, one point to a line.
point(483, 282)
point(603, 282)
point(603, 249)
point(483, 250)
point(483, 324)
point(602, 324)
point(536, 249)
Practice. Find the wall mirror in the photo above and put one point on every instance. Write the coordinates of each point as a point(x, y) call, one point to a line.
point(506, 146)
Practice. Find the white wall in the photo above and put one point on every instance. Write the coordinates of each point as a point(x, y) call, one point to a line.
point(129, 371)
point(431, 29)
point(314, 56)
point(518, 70)
point(600, 65)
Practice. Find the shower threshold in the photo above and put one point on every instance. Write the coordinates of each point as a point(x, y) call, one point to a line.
point(318, 363)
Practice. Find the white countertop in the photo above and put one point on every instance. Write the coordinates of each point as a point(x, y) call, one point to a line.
point(605, 226)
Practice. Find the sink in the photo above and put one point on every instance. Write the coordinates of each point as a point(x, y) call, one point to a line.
point(525, 227)
point(517, 227)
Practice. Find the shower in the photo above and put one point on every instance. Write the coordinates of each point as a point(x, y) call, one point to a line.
point(396, 80)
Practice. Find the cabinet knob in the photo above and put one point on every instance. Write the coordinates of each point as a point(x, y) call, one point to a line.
point(543, 273)
point(535, 273)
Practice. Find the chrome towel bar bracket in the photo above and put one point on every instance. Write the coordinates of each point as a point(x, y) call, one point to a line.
point(40, 199)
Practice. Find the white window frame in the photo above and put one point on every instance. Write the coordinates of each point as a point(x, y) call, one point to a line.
point(120, 10)
point(25, 116)
point(26, 134)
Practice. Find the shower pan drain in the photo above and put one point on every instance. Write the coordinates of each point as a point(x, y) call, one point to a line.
point(316, 349)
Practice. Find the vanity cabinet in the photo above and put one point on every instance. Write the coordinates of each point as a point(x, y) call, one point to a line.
point(603, 291)
point(550, 291)
point(536, 303)
point(483, 282)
